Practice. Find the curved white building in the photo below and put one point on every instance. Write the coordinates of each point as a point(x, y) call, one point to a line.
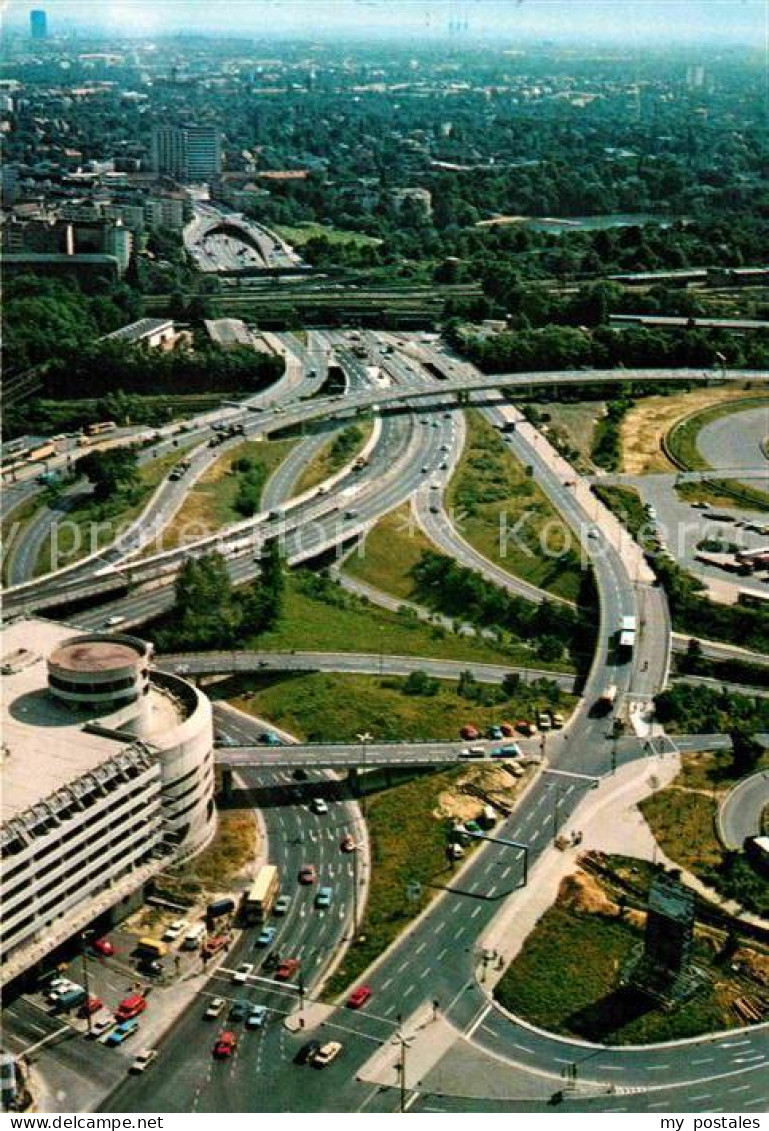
point(107, 777)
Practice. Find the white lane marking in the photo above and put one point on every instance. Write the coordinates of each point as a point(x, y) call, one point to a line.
point(402, 966)
point(506, 872)
point(420, 948)
point(478, 1021)
point(442, 954)
point(409, 989)
point(411, 1101)
point(474, 912)
point(387, 983)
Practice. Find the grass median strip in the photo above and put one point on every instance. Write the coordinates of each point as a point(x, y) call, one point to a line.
point(334, 455)
point(501, 511)
point(212, 503)
point(389, 552)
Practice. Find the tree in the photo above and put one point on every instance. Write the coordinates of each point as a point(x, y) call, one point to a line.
point(206, 613)
point(746, 751)
point(110, 471)
point(549, 648)
point(420, 683)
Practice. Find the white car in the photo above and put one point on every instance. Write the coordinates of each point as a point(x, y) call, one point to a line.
point(318, 805)
point(326, 1053)
point(173, 930)
point(243, 971)
point(215, 1007)
point(143, 1060)
point(101, 1024)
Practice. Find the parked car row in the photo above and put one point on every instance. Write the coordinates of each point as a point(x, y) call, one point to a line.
point(546, 720)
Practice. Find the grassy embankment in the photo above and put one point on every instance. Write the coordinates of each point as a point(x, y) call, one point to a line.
point(567, 976)
point(91, 525)
point(302, 233)
point(489, 485)
point(320, 616)
point(682, 444)
point(211, 503)
point(683, 820)
point(334, 454)
point(330, 707)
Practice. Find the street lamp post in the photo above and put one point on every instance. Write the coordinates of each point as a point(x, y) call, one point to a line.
point(404, 1043)
point(86, 978)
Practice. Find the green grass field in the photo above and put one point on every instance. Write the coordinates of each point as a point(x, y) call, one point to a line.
point(320, 616)
point(566, 979)
point(334, 454)
point(88, 527)
point(391, 549)
point(488, 486)
point(329, 707)
point(300, 235)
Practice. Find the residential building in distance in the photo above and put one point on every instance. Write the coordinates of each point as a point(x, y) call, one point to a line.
point(190, 153)
point(107, 778)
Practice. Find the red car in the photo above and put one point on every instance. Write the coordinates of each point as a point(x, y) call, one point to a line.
point(88, 1008)
point(103, 946)
point(287, 969)
point(507, 729)
point(225, 1046)
point(359, 997)
point(469, 731)
point(308, 874)
point(130, 1006)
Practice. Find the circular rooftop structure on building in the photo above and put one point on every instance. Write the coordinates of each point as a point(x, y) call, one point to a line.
point(88, 654)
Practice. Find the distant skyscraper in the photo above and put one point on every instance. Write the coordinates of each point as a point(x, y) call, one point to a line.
point(695, 76)
point(38, 24)
point(189, 153)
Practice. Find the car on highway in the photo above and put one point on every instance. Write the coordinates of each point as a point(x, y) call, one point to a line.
point(306, 1052)
point(256, 1017)
point(101, 1025)
point(324, 897)
point(239, 1010)
point(281, 905)
point(509, 750)
point(269, 738)
point(241, 975)
point(174, 930)
point(103, 947)
point(435, 510)
point(113, 621)
point(319, 806)
point(223, 740)
point(91, 1006)
point(359, 997)
point(347, 843)
point(287, 969)
point(143, 1060)
point(308, 874)
point(266, 936)
point(121, 1033)
point(215, 1007)
point(326, 1054)
point(225, 1045)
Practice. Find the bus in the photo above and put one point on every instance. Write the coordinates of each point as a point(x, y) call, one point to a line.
point(258, 900)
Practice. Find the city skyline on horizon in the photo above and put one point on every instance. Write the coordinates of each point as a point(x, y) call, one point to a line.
point(670, 21)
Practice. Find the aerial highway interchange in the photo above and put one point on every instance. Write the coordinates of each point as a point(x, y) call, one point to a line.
point(413, 453)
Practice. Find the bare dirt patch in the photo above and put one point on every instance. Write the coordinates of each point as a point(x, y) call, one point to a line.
point(645, 425)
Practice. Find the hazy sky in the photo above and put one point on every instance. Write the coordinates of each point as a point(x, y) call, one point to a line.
point(744, 21)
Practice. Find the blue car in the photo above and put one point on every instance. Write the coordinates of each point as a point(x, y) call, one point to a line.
point(495, 733)
point(269, 738)
point(256, 1017)
point(239, 1010)
point(122, 1032)
point(324, 897)
point(266, 936)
